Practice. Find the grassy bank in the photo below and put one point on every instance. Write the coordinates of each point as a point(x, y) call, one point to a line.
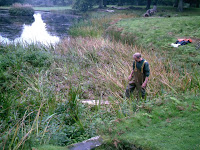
point(53, 8)
point(158, 122)
point(42, 89)
point(156, 34)
point(45, 8)
point(153, 34)
point(160, 125)
point(41, 97)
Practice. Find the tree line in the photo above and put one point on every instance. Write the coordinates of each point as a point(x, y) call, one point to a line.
point(38, 2)
point(84, 5)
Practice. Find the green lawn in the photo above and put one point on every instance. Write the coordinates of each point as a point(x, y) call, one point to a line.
point(174, 125)
point(57, 8)
point(157, 34)
point(3, 7)
point(53, 8)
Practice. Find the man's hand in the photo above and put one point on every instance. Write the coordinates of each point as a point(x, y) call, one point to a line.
point(145, 82)
point(130, 77)
point(144, 85)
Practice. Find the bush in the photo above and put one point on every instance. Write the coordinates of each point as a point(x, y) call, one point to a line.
point(16, 59)
point(82, 5)
point(21, 10)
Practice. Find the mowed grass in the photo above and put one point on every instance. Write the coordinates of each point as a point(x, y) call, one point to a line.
point(163, 125)
point(58, 8)
point(161, 11)
point(157, 34)
point(172, 11)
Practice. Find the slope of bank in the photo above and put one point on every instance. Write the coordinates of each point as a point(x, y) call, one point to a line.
point(170, 119)
point(166, 122)
point(160, 125)
point(42, 89)
point(157, 33)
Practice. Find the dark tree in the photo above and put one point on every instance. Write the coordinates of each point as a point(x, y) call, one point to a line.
point(156, 2)
point(105, 3)
point(176, 3)
point(197, 3)
point(84, 5)
point(120, 3)
point(54, 2)
point(193, 3)
point(100, 3)
point(148, 4)
point(9, 2)
point(180, 5)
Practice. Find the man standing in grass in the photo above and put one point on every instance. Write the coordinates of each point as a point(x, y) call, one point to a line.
point(139, 76)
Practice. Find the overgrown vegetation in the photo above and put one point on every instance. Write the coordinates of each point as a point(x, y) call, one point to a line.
point(42, 89)
point(18, 9)
point(38, 104)
point(139, 129)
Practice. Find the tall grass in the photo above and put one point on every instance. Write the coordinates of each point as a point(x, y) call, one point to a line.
point(18, 9)
point(111, 63)
point(39, 104)
point(95, 26)
point(25, 93)
point(108, 65)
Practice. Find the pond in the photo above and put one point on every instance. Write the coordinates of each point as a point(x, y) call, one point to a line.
point(42, 27)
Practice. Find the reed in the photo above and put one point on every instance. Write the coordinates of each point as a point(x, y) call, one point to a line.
point(111, 63)
point(18, 9)
point(96, 25)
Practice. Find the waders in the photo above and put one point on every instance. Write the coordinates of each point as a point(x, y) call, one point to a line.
point(136, 82)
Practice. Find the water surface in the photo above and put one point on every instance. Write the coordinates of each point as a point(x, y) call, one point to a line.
point(43, 27)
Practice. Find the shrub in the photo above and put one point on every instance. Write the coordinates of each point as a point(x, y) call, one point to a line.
point(21, 10)
point(82, 5)
point(16, 59)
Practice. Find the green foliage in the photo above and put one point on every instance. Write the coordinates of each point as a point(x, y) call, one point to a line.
point(60, 8)
point(19, 92)
point(73, 108)
point(21, 10)
point(84, 32)
point(9, 2)
point(38, 58)
point(83, 5)
point(171, 125)
point(94, 24)
point(51, 147)
point(16, 60)
point(32, 111)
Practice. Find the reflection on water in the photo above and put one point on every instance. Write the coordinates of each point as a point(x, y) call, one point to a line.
point(11, 26)
point(36, 32)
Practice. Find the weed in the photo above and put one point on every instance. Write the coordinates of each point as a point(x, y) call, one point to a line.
point(21, 10)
